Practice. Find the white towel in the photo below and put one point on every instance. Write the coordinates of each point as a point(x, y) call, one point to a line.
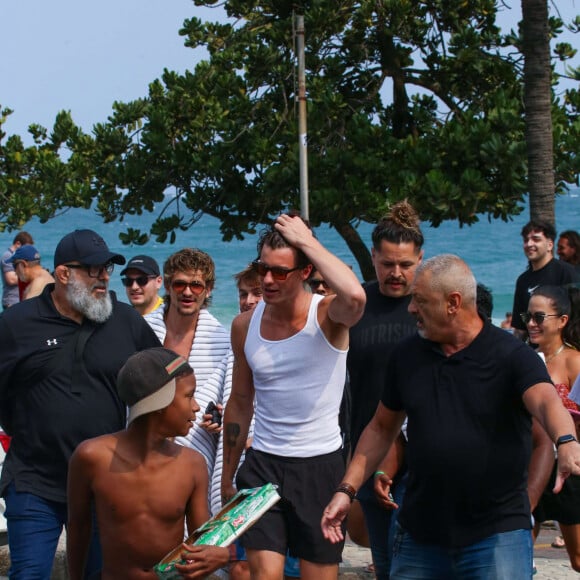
point(208, 357)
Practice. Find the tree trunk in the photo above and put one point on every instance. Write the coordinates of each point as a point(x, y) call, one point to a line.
point(359, 250)
point(538, 112)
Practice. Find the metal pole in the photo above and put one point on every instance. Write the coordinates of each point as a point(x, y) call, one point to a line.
point(302, 134)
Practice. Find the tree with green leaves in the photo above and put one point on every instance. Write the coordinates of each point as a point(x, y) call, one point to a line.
point(406, 99)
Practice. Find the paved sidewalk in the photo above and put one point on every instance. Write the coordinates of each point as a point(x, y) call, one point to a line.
point(551, 563)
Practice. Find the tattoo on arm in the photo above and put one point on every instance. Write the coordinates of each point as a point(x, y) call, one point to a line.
point(231, 437)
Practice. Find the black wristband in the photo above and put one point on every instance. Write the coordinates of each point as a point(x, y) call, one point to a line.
point(565, 439)
point(348, 489)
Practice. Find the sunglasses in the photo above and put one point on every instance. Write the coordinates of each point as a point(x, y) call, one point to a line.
point(537, 317)
point(277, 272)
point(94, 271)
point(315, 283)
point(141, 281)
point(195, 287)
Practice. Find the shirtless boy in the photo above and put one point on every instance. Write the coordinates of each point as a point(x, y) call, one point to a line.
point(143, 485)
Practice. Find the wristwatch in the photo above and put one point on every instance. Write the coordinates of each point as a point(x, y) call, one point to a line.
point(565, 439)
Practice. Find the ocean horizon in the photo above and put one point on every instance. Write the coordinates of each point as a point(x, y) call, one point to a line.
point(493, 250)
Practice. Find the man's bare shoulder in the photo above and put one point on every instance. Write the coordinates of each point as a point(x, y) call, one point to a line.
point(121, 446)
point(336, 332)
point(98, 446)
point(37, 285)
point(188, 456)
point(240, 325)
point(93, 456)
point(242, 320)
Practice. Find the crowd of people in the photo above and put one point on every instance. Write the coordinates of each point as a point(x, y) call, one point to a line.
point(395, 402)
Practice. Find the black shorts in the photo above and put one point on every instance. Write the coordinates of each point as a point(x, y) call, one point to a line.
point(564, 507)
point(306, 486)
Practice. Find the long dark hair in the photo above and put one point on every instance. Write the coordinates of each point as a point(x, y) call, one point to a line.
point(566, 301)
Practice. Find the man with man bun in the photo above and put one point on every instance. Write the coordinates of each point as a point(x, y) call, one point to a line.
point(397, 251)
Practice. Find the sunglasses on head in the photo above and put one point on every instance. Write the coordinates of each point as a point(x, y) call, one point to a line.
point(141, 281)
point(537, 317)
point(181, 285)
point(278, 273)
point(315, 283)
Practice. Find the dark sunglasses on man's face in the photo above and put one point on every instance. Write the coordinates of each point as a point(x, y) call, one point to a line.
point(181, 285)
point(278, 273)
point(537, 317)
point(141, 281)
point(93, 271)
point(315, 283)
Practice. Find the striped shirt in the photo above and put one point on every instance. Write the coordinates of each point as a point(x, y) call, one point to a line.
point(208, 357)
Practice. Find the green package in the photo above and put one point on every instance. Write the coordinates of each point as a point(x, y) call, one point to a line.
point(240, 513)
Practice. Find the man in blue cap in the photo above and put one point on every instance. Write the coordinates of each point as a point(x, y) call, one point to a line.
point(26, 261)
point(61, 352)
point(9, 278)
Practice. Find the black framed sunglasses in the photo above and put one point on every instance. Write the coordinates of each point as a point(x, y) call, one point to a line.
point(315, 283)
point(141, 281)
point(180, 285)
point(94, 271)
point(537, 317)
point(278, 273)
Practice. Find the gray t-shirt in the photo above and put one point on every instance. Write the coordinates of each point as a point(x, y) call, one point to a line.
point(10, 294)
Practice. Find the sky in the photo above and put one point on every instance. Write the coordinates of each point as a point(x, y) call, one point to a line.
point(82, 56)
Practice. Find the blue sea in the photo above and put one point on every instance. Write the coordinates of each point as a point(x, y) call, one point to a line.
point(493, 250)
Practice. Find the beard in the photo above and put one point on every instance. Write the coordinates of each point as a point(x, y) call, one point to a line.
point(81, 299)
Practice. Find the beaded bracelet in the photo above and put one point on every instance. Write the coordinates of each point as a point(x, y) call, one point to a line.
point(348, 489)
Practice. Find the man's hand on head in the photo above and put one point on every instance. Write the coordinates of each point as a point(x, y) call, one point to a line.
point(294, 230)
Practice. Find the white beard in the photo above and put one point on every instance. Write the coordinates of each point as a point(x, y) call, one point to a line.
point(81, 299)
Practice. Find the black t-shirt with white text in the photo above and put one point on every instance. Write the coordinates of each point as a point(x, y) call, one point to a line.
point(384, 324)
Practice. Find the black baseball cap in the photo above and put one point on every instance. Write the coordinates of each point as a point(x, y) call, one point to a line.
point(86, 247)
point(146, 382)
point(145, 264)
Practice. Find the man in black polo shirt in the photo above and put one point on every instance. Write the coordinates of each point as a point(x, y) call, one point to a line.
point(61, 352)
point(543, 269)
point(468, 390)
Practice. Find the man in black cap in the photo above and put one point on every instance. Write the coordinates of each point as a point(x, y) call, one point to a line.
point(61, 352)
point(142, 280)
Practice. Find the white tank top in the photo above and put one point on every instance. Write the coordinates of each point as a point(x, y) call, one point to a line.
point(299, 383)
